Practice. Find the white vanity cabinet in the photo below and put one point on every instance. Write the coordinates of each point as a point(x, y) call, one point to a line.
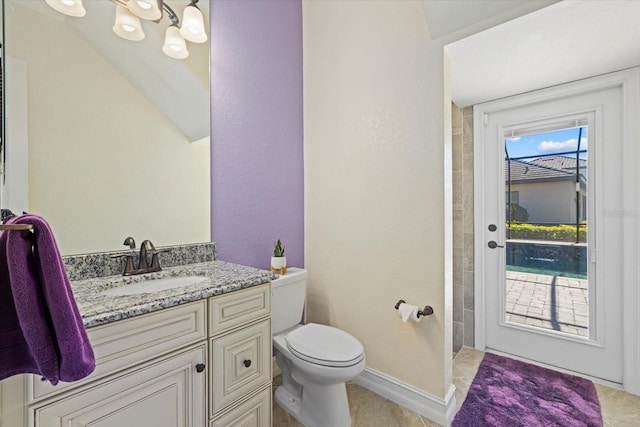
point(185, 366)
point(240, 358)
point(119, 345)
point(146, 369)
point(165, 393)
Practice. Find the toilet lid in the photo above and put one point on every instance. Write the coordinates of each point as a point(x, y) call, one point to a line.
point(325, 345)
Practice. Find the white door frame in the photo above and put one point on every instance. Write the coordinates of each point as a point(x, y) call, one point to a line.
point(629, 81)
point(14, 190)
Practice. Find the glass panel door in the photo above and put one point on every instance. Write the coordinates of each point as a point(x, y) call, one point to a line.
point(546, 268)
point(548, 171)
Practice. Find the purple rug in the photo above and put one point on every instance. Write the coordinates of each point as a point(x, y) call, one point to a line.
point(510, 393)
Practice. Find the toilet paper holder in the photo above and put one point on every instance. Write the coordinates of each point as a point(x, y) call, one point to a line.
point(426, 311)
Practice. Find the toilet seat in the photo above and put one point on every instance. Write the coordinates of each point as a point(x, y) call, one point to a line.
point(324, 345)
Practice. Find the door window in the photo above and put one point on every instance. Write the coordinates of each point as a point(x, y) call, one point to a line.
point(546, 277)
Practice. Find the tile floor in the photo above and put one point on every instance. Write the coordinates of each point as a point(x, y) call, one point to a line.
point(619, 409)
point(367, 410)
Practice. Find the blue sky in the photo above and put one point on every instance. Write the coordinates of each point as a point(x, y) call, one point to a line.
point(547, 143)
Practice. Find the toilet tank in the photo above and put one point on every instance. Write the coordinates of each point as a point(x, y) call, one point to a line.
point(287, 299)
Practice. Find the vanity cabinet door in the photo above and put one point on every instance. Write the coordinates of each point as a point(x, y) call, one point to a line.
point(119, 345)
point(167, 393)
point(254, 412)
point(241, 362)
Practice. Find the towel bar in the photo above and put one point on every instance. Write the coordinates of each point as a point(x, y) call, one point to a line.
point(18, 227)
point(6, 213)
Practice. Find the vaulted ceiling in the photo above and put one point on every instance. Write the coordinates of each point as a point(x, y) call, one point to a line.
point(560, 43)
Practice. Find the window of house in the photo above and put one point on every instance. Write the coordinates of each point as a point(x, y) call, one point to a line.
point(515, 198)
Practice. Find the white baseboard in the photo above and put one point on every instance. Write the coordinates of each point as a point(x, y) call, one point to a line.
point(436, 409)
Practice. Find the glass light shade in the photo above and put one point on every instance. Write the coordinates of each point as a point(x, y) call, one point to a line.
point(68, 7)
point(174, 44)
point(193, 24)
point(146, 9)
point(127, 25)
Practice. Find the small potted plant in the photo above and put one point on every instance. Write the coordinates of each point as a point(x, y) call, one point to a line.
point(278, 260)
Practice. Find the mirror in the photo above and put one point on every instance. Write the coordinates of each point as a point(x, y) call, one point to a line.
point(105, 137)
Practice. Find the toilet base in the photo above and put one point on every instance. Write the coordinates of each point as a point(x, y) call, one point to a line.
point(324, 406)
point(289, 403)
point(315, 395)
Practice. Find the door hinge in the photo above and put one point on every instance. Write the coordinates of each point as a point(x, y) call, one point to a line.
point(593, 255)
point(485, 118)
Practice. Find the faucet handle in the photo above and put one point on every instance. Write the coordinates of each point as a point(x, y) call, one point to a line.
point(155, 261)
point(128, 266)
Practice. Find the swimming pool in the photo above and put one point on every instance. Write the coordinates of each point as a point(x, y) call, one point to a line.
point(547, 272)
point(552, 258)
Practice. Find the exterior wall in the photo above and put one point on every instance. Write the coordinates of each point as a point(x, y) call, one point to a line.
point(463, 256)
point(548, 201)
point(375, 183)
point(256, 115)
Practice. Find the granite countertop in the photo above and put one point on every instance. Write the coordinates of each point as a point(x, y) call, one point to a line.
point(219, 277)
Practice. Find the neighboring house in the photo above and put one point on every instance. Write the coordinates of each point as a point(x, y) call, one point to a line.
point(564, 163)
point(546, 188)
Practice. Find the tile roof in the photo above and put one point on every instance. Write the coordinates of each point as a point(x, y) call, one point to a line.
point(529, 171)
point(559, 162)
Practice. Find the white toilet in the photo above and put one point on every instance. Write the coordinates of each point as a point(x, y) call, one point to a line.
point(315, 360)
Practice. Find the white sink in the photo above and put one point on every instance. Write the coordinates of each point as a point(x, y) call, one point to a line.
point(155, 285)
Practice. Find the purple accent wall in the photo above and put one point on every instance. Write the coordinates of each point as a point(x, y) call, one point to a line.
point(257, 192)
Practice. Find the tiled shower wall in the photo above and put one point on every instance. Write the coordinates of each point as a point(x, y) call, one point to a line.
point(463, 322)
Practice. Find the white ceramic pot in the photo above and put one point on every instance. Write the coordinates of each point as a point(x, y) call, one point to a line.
point(279, 264)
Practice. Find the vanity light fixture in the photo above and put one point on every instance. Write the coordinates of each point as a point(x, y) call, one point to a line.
point(193, 24)
point(174, 44)
point(127, 23)
point(150, 10)
point(68, 7)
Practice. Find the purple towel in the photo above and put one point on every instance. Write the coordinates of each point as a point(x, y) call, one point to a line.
point(41, 330)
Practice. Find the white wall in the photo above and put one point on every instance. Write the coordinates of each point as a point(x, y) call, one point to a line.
point(375, 183)
point(377, 180)
point(124, 170)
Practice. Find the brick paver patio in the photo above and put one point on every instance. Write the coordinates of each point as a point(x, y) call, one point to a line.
point(549, 302)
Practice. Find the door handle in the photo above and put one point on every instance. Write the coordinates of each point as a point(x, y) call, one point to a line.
point(492, 244)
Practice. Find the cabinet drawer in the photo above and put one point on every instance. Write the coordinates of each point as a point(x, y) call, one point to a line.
point(121, 344)
point(167, 393)
point(254, 412)
point(240, 362)
point(233, 309)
